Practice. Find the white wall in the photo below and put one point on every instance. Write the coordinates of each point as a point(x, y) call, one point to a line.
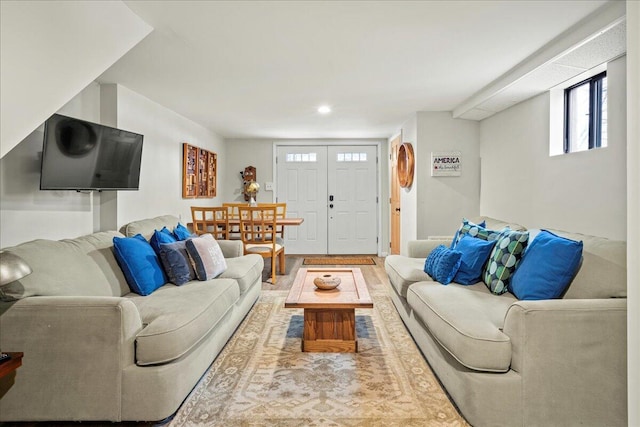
point(582, 192)
point(161, 175)
point(248, 152)
point(26, 213)
point(50, 51)
point(633, 209)
point(444, 201)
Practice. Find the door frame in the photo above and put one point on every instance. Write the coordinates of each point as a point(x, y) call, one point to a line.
point(337, 142)
point(394, 184)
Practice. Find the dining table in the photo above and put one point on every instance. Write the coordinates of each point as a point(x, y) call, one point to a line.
point(279, 221)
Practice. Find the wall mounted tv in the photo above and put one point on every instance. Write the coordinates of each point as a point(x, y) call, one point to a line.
point(80, 155)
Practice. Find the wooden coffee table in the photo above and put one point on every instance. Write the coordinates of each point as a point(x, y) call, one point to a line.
point(329, 315)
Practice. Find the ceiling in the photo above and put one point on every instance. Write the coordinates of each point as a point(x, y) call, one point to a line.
point(260, 69)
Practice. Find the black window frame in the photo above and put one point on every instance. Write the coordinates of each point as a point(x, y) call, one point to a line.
point(595, 112)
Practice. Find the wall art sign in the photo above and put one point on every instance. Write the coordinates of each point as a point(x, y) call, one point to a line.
point(446, 163)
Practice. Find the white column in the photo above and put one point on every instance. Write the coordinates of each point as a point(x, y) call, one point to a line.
point(633, 210)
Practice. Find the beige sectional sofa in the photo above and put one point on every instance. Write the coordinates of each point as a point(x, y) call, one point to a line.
point(95, 351)
point(507, 362)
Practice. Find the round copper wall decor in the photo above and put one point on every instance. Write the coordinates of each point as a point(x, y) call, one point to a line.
point(405, 164)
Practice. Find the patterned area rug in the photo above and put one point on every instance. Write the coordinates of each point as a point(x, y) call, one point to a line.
point(262, 377)
point(326, 260)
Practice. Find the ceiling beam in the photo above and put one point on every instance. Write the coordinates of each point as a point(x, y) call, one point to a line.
point(596, 23)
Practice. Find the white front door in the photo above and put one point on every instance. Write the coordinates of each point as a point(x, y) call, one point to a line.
point(301, 182)
point(352, 200)
point(307, 177)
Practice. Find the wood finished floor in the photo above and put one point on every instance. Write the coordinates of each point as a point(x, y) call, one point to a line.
point(373, 274)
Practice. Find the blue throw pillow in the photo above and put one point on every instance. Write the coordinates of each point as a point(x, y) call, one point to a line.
point(181, 232)
point(139, 263)
point(547, 268)
point(475, 253)
point(442, 264)
point(447, 266)
point(160, 237)
point(175, 260)
point(429, 263)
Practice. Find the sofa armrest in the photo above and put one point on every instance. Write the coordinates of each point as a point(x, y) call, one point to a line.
point(572, 351)
point(75, 349)
point(231, 248)
point(422, 248)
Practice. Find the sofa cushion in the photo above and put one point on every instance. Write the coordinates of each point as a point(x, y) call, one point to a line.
point(466, 321)
point(246, 270)
point(498, 224)
point(404, 271)
point(146, 227)
point(176, 263)
point(84, 266)
point(176, 318)
point(475, 253)
point(603, 271)
point(547, 267)
point(206, 256)
point(140, 264)
point(504, 259)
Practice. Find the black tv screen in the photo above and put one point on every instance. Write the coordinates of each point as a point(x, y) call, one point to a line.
point(80, 155)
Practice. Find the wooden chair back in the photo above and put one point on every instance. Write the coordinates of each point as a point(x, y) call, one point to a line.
point(257, 230)
point(234, 214)
point(214, 220)
point(281, 212)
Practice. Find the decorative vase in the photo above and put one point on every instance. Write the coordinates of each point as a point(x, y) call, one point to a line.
point(326, 282)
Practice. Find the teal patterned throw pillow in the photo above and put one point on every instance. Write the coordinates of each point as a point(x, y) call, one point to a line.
point(504, 259)
point(474, 230)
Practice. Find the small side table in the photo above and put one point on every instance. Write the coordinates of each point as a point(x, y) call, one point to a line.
point(8, 372)
point(8, 366)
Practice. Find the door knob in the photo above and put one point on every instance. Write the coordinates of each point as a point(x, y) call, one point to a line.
point(331, 205)
point(397, 209)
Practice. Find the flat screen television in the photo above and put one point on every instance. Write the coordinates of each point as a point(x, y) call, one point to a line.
point(80, 155)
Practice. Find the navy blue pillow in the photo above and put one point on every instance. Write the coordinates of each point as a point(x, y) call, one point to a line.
point(547, 267)
point(475, 253)
point(139, 263)
point(181, 232)
point(175, 260)
point(442, 264)
point(160, 237)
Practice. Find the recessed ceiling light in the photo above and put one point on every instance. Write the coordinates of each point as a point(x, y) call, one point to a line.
point(324, 109)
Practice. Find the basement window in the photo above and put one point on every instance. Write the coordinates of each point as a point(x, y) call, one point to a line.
point(585, 114)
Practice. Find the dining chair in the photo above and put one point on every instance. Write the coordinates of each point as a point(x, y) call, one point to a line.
point(257, 230)
point(281, 212)
point(234, 214)
point(214, 220)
